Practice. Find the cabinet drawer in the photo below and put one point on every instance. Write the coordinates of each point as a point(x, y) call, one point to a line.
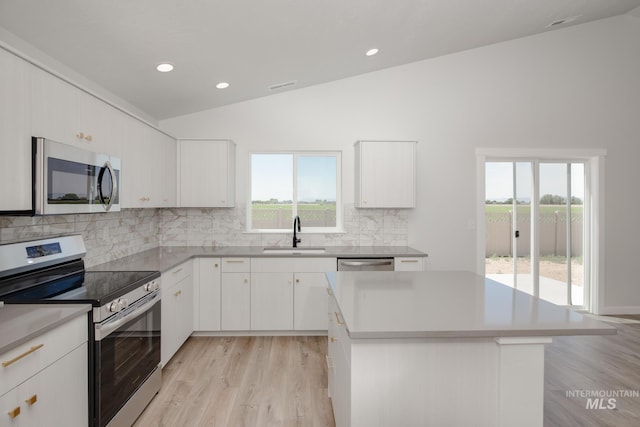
point(409, 264)
point(30, 358)
point(272, 265)
point(236, 265)
point(177, 274)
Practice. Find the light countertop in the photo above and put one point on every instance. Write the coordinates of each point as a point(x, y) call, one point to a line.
point(21, 322)
point(166, 257)
point(448, 304)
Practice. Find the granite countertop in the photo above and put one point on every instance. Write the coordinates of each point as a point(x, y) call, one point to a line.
point(165, 258)
point(21, 322)
point(448, 304)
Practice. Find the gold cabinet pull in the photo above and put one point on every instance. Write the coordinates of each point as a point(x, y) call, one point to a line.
point(14, 412)
point(88, 138)
point(32, 400)
point(177, 271)
point(408, 260)
point(80, 135)
point(334, 339)
point(339, 318)
point(26, 353)
point(235, 260)
point(177, 294)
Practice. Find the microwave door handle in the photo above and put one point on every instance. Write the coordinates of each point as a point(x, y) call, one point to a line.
point(114, 185)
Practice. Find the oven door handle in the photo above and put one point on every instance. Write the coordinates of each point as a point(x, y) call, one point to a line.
point(103, 330)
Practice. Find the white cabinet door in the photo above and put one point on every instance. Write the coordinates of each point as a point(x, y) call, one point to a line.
point(15, 134)
point(206, 173)
point(310, 301)
point(54, 105)
point(207, 295)
point(57, 396)
point(408, 264)
point(148, 177)
point(271, 301)
point(236, 302)
point(385, 174)
point(177, 309)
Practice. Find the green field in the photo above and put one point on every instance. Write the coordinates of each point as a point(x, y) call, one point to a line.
point(523, 209)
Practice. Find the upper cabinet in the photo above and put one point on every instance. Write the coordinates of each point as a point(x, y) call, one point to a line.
point(15, 134)
point(385, 174)
point(66, 114)
point(206, 173)
point(148, 167)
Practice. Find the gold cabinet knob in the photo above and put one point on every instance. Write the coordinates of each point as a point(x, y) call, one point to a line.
point(32, 400)
point(88, 138)
point(80, 135)
point(14, 412)
point(334, 339)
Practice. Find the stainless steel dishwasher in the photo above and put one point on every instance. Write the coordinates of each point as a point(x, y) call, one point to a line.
point(365, 264)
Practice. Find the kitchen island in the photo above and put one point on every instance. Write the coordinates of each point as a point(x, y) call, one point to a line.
point(440, 348)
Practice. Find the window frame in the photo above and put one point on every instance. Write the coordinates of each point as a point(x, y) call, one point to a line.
point(339, 227)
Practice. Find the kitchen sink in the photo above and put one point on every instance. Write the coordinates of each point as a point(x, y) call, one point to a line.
point(293, 251)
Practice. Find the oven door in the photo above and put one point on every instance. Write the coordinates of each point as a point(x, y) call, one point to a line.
point(127, 352)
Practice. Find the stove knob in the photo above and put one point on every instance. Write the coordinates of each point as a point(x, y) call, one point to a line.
point(114, 307)
point(123, 303)
point(150, 287)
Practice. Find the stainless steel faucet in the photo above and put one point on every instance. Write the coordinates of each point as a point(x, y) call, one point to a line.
point(296, 220)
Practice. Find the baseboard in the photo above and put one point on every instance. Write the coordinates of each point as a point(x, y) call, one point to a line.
point(618, 310)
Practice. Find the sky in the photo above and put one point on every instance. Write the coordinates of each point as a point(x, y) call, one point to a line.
point(272, 177)
point(553, 180)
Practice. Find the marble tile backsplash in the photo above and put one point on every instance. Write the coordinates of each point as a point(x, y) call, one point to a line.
point(113, 235)
point(107, 236)
point(227, 227)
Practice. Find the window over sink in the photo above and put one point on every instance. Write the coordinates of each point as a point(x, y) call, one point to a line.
point(286, 184)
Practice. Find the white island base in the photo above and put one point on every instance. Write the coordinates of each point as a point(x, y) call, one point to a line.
point(443, 383)
point(401, 354)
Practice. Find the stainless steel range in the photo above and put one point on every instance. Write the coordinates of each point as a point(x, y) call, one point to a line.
point(124, 329)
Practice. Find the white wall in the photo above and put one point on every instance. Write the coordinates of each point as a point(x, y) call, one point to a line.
point(577, 87)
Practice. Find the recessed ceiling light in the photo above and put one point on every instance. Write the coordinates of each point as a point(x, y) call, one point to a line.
point(222, 85)
point(164, 68)
point(372, 52)
point(563, 21)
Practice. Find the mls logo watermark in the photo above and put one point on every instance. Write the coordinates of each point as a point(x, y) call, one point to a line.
point(602, 399)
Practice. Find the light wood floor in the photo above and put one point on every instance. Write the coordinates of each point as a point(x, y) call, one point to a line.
point(282, 381)
point(244, 381)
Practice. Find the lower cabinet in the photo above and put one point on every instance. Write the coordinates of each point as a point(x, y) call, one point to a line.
point(177, 309)
point(49, 384)
point(271, 301)
point(206, 295)
point(339, 366)
point(235, 294)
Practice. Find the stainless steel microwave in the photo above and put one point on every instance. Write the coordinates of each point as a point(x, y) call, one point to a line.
point(71, 180)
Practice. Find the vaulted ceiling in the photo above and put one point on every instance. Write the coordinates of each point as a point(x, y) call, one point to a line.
point(256, 45)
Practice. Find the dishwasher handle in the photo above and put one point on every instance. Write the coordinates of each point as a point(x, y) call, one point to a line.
point(372, 263)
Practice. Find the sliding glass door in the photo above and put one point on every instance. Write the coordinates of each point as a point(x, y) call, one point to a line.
point(535, 228)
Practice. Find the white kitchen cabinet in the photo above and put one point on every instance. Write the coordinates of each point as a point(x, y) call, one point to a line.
point(408, 264)
point(15, 133)
point(385, 174)
point(310, 293)
point(235, 294)
point(63, 113)
point(339, 366)
point(207, 294)
point(271, 301)
point(177, 309)
point(148, 164)
point(206, 173)
point(45, 381)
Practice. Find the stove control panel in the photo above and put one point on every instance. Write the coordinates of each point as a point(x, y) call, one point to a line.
point(120, 303)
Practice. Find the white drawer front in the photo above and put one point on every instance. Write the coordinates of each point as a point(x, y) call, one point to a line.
point(236, 265)
point(26, 360)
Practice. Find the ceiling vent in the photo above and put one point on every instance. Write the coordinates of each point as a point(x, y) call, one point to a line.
point(563, 21)
point(283, 85)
